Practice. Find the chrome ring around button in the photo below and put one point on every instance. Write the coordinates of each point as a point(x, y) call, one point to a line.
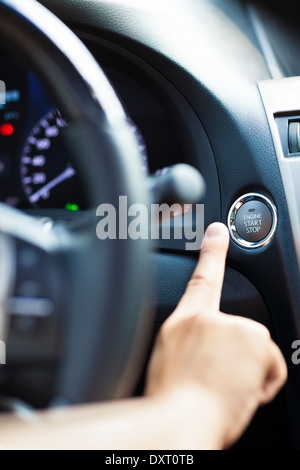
point(231, 221)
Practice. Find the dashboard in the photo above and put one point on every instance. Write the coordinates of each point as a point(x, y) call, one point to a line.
point(38, 174)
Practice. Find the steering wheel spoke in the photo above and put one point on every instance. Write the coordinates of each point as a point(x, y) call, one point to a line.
point(31, 258)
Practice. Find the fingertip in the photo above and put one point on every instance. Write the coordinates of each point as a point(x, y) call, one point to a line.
point(216, 238)
point(217, 230)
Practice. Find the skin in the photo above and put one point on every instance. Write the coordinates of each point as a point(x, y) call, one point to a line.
point(208, 374)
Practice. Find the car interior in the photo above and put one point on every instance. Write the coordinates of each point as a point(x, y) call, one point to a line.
point(105, 98)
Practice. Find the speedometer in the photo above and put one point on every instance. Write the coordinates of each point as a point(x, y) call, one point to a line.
point(48, 178)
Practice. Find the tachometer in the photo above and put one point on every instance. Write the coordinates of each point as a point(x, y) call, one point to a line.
point(47, 176)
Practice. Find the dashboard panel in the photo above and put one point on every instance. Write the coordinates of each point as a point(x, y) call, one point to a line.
point(35, 161)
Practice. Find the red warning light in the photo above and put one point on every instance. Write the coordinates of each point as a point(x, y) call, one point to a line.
point(6, 129)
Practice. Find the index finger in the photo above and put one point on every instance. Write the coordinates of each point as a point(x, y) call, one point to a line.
point(203, 292)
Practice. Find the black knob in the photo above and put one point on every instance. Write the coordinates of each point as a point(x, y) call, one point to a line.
point(182, 184)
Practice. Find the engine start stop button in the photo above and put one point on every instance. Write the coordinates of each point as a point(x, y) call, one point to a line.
point(252, 220)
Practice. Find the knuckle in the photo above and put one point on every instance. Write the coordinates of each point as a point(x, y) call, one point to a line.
point(165, 331)
point(263, 331)
point(253, 334)
point(251, 327)
point(202, 282)
point(284, 373)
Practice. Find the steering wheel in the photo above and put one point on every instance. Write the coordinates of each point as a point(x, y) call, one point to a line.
point(88, 304)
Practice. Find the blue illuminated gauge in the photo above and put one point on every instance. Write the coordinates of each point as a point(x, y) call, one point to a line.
point(47, 176)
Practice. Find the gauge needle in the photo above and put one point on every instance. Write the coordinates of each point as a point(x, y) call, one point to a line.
point(68, 173)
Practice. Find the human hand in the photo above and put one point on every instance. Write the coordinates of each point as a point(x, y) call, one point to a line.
point(201, 352)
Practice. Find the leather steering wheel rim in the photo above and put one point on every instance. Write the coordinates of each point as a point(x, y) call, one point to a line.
point(107, 322)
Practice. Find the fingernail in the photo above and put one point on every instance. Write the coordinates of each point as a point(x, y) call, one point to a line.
point(216, 230)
